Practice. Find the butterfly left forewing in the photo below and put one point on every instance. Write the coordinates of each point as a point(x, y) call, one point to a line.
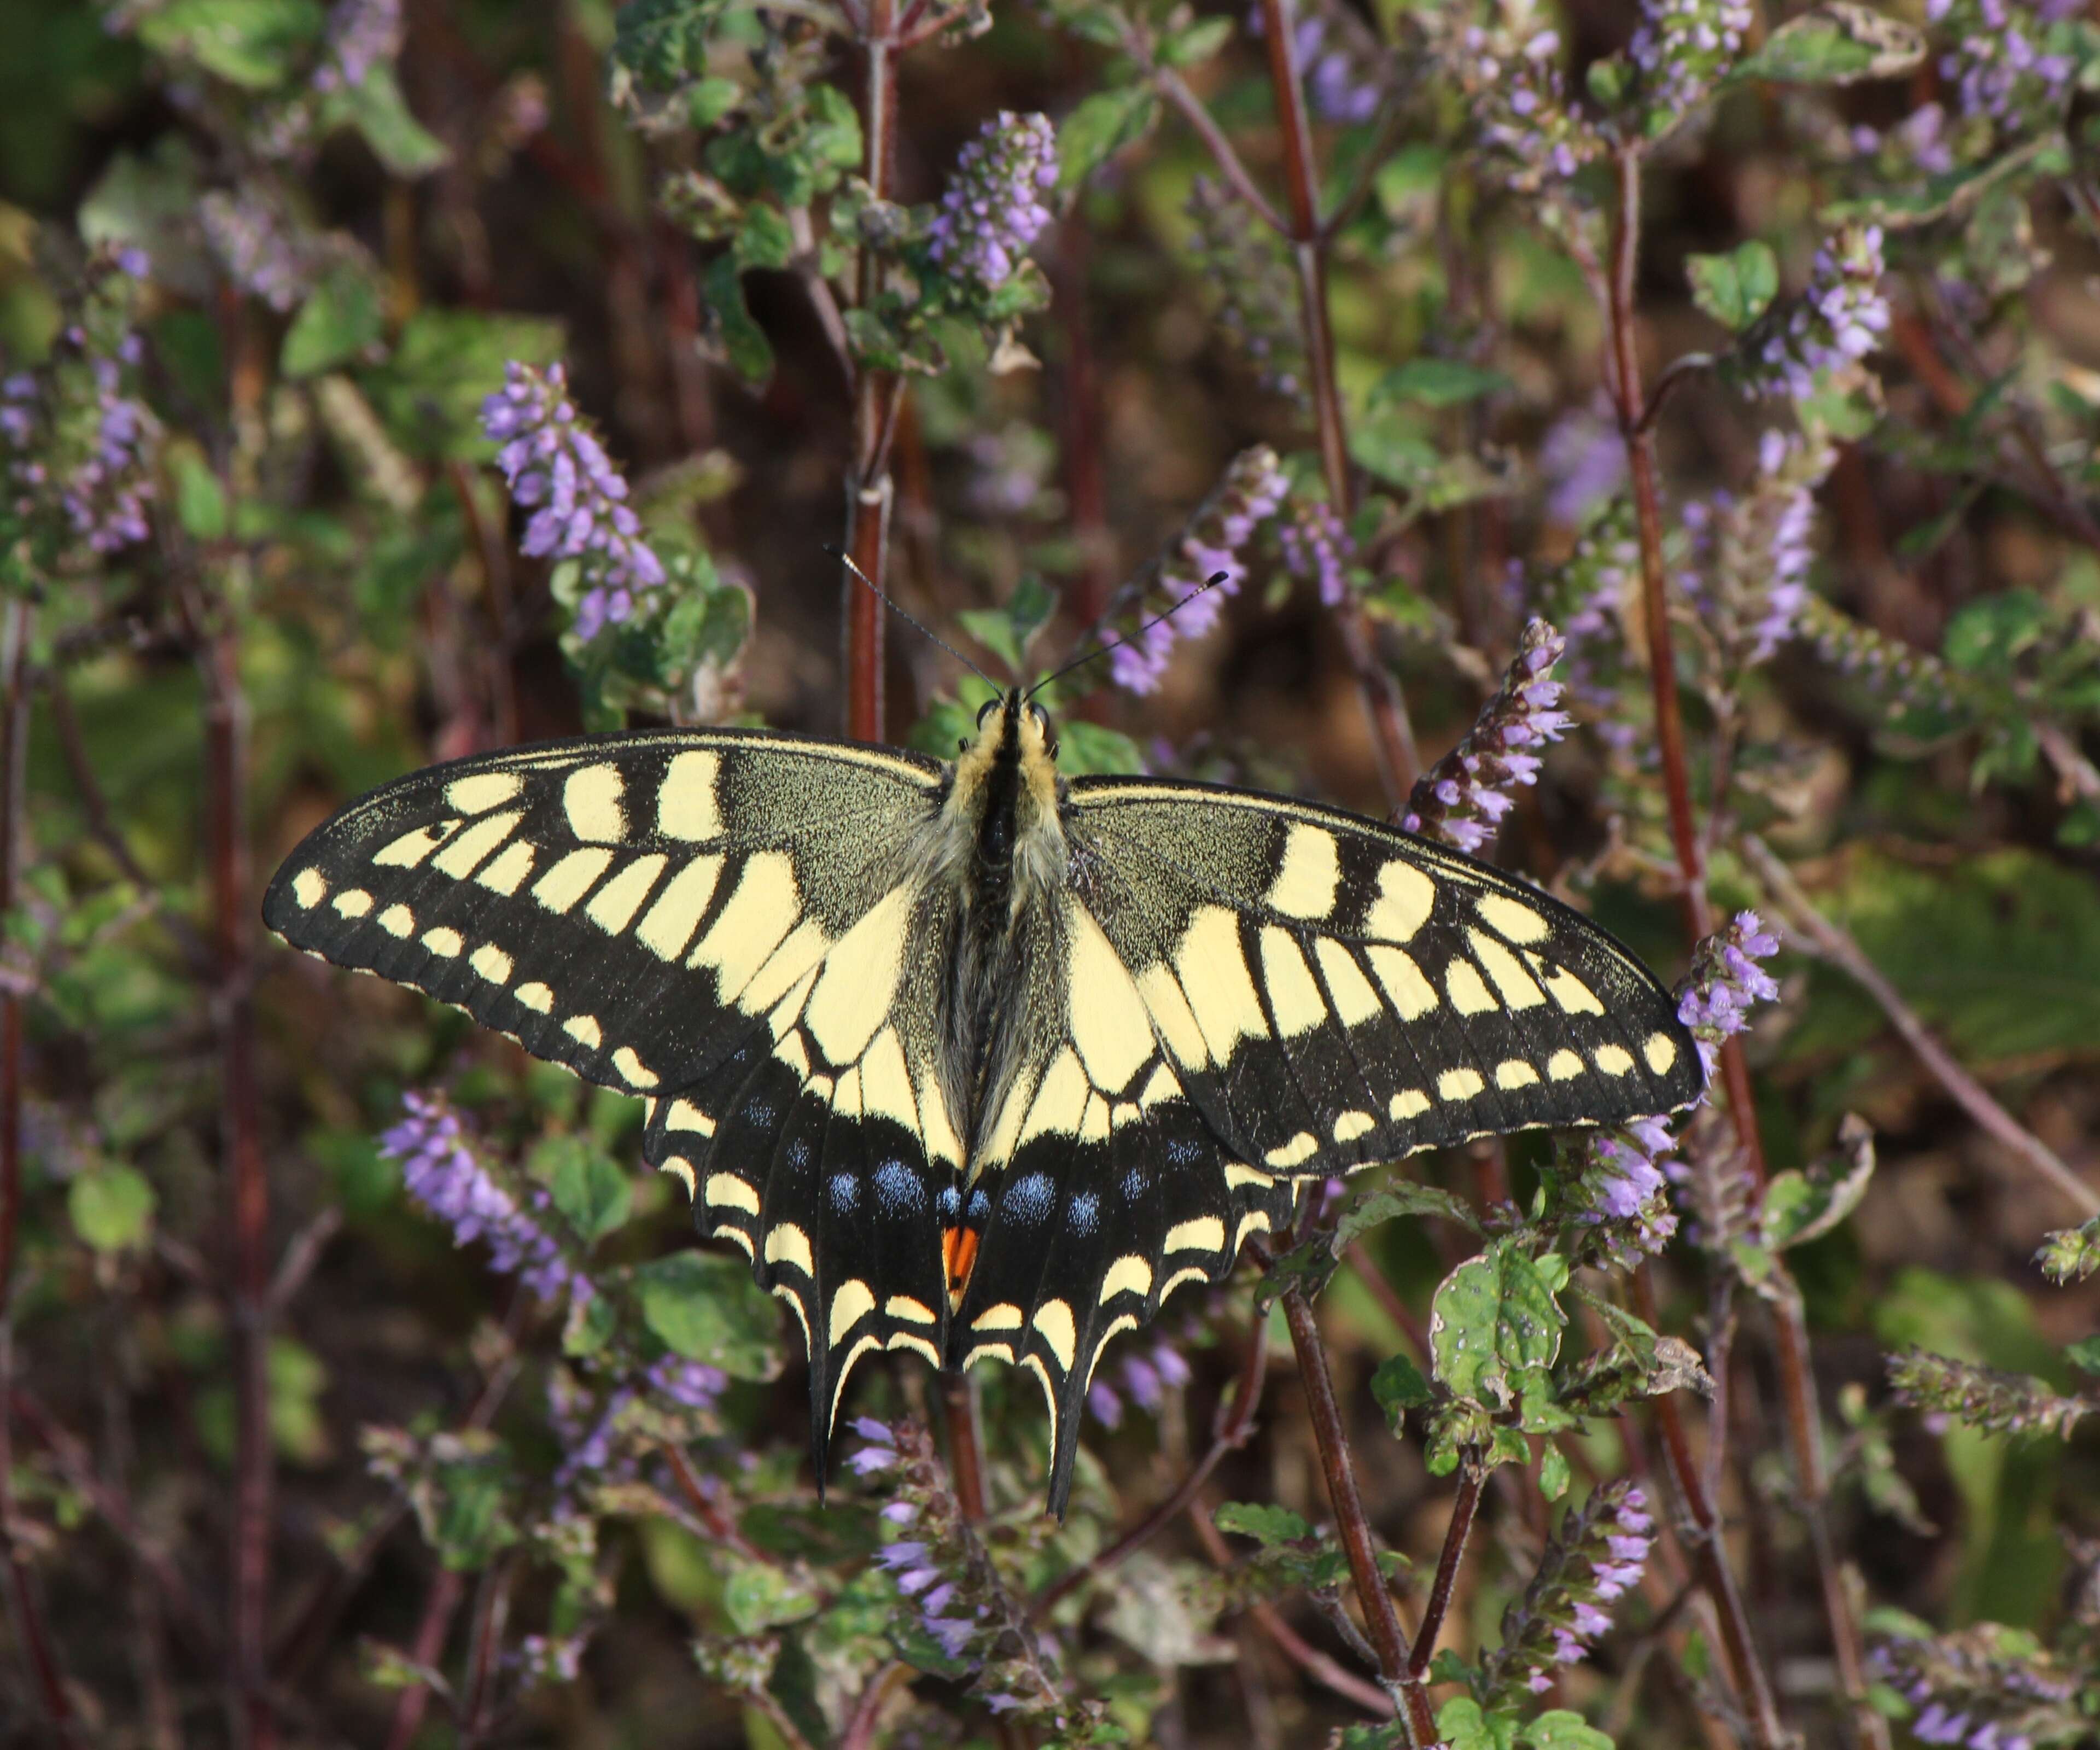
point(1332, 991)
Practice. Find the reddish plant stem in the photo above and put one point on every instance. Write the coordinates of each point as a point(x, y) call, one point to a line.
point(1796, 1363)
point(868, 488)
point(860, 1728)
point(705, 1508)
point(429, 1646)
point(958, 1399)
point(1332, 1437)
point(1463, 1506)
point(25, 1613)
point(1233, 1423)
point(247, 1184)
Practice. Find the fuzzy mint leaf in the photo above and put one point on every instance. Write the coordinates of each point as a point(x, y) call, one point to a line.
point(1400, 1386)
point(111, 1208)
point(1735, 289)
point(707, 1309)
point(1268, 1526)
point(1389, 1201)
point(1100, 128)
point(1562, 1729)
point(340, 318)
point(1198, 42)
point(375, 107)
point(1802, 1206)
point(743, 341)
point(254, 44)
point(588, 1187)
point(1495, 1321)
point(1007, 631)
point(1438, 382)
point(1837, 44)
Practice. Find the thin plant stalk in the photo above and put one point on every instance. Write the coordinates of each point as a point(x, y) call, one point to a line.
point(1796, 1362)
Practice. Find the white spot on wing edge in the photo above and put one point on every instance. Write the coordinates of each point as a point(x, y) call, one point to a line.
point(1053, 1323)
point(309, 887)
point(1612, 1060)
point(1511, 918)
point(1302, 1147)
point(679, 1166)
point(1564, 1066)
point(585, 1030)
point(787, 1244)
point(1129, 1273)
point(1459, 1084)
point(1206, 1233)
point(535, 997)
point(1309, 874)
point(686, 805)
point(592, 797)
point(481, 791)
point(444, 942)
point(1409, 1103)
point(492, 962)
point(1660, 1051)
point(353, 902)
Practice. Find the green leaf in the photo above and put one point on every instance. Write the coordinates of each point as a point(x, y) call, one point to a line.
point(1836, 44)
point(1437, 382)
point(1008, 630)
point(1988, 635)
point(1196, 43)
point(1100, 127)
point(1493, 1320)
point(1087, 750)
point(1388, 1202)
point(1737, 288)
point(1802, 1206)
point(586, 1184)
point(444, 365)
point(1554, 1473)
point(764, 239)
point(375, 107)
point(340, 318)
point(708, 1309)
point(2084, 1355)
point(1563, 1730)
point(759, 1597)
point(1462, 1726)
point(255, 44)
point(200, 499)
point(711, 100)
point(111, 1207)
point(1265, 1525)
point(743, 341)
point(1399, 1386)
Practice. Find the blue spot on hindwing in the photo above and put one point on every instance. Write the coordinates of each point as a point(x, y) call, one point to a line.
point(1085, 1214)
point(1029, 1199)
point(898, 1188)
point(845, 1192)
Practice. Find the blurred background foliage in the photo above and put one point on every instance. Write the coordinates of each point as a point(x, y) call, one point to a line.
point(342, 269)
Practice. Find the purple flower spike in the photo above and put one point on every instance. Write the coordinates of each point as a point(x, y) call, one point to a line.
point(1725, 982)
point(1316, 546)
point(556, 467)
point(993, 210)
point(1837, 320)
point(1464, 795)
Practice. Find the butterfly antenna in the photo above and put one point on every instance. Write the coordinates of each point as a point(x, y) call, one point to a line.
point(846, 559)
point(1211, 582)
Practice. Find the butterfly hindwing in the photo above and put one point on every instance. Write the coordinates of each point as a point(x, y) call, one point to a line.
point(1332, 992)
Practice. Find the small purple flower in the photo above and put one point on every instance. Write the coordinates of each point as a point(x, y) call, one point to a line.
point(259, 249)
point(1583, 459)
point(1252, 489)
point(1317, 545)
point(1727, 981)
point(993, 209)
point(361, 34)
point(1682, 47)
point(1837, 320)
point(2012, 65)
point(1513, 84)
point(1464, 795)
point(441, 1171)
point(556, 467)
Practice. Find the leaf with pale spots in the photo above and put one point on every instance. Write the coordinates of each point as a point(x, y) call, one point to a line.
point(1495, 1324)
point(590, 1191)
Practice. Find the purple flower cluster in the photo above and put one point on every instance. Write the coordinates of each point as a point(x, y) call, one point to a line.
point(442, 1172)
point(361, 34)
point(1918, 142)
point(1145, 1378)
point(556, 467)
point(927, 1570)
point(257, 248)
point(1985, 1688)
point(2003, 66)
point(1597, 1558)
point(994, 208)
point(1683, 48)
point(73, 439)
point(1464, 795)
point(1726, 983)
point(1838, 321)
point(1591, 594)
point(1753, 553)
point(1515, 91)
point(1317, 545)
point(1583, 459)
point(1623, 1178)
point(1340, 88)
point(1252, 491)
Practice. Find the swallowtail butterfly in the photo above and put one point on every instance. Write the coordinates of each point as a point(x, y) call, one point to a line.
point(969, 1059)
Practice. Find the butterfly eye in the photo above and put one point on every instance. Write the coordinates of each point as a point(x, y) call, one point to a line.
point(1042, 719)
point(985, 711)
point(962, 744)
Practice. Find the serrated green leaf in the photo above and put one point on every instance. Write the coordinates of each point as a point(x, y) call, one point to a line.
point(445, 364)
point(1100, 127)
point(1799, 1206)
point(710, 99)
point(763, 239)
point(1093, 749)
point(1563, 1730)
point(200, 498)
point(1735, 289)
point(588, 1188)
point(1462, 1726)
point(1400, 1386)
point(111, 1207)
point(254, 44)
point(1389, 1202)
point(1986, 635)
point(1196, 43)
point(340, 318)
point(1265, 1525)
point(760, 1596)
point(1554, 1473)
point(707, 1309)
point(375, 107)
point(1836, 44)
point(1494, 1319)
point(2084, 1355)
